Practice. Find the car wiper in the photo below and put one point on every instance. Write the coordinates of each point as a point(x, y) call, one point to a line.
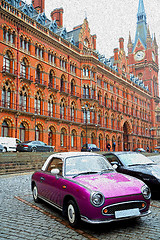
point(83, 173)
point(106, 170)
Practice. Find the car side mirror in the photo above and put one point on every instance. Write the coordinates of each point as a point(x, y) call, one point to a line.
point(55, 171)
point(115, 165)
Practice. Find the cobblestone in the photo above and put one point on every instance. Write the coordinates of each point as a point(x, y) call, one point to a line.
point(21, 221)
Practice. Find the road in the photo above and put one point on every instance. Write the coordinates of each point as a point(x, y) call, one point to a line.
point(21, 218)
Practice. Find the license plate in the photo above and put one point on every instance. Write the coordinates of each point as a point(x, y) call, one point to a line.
point(127, 213)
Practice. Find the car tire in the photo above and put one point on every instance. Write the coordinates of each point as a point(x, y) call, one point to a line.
point(73, 213)
point(33, 150)
point(35, 194)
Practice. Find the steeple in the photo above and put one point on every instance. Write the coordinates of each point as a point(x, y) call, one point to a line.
point(141, 31)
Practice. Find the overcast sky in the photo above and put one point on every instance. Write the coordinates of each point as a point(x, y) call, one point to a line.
point(108, 19)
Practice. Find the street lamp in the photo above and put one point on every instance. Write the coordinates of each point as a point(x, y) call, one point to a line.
point(151, 129)
point(35, 125)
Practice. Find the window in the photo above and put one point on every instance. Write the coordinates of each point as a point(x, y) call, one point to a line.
point(7, 63)
point(73, 112)
point(55, 163)
point(62, 109)
point(52, 79)
point(6, 95)
point(111, 88)
point(38, 103)
point(51, 58)
point(73, 138)
point(5, 129)
point(22, 132)
point(63, 137)
point(51, 107)
point(23, 99)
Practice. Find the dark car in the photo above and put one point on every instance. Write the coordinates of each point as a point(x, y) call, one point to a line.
point(2, 148)
point(140, 150)
point(137, 165)
point(90, 148)
point(34, 146)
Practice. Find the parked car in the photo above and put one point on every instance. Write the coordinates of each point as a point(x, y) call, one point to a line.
point(84, 186)
point(90, 148)
point(1, 148)
point(140, 150)
point(34, 146)
point(9, 143)
point(137, 165)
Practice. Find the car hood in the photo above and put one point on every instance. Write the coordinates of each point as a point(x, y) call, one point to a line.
point(111, 184)
point(153, 169)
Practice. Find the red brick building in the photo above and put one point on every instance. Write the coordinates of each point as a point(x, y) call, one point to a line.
point(56, 87)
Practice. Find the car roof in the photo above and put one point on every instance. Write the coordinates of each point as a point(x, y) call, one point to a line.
point(120, 153)
point(64, 155)
point(71, 154)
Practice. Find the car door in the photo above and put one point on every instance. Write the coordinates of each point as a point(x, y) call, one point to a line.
point(52, 185)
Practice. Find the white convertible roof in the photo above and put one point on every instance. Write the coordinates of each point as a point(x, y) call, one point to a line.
point(64, 155)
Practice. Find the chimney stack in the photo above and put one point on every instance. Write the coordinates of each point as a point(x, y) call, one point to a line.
point(57, 14)
point(121, 43)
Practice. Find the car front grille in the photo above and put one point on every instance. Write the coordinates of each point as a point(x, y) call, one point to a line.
point(110, 210)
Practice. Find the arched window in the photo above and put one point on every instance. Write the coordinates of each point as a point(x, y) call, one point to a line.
point(6, 95)
point(51, 79)
point(62, 109)
point(22, 132)
point(38, 103)
point(73, 138)
point(23, 69)
point(72, 111)
point(62, 89)
point(73, 87)
point(23, 99)
point(37, 133)
point(7, 63)
point(5, 129)
point(87, 92)
point(39, 74)
point(51, 106)
point(63, 137)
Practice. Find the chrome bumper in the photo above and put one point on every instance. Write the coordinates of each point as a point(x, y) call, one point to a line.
point(100, 221)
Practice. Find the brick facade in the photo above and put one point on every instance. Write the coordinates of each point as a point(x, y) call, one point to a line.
point(55, 87)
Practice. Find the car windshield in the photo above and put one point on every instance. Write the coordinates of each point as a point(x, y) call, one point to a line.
point(92, 145)
point(134, 159)
point(86, 165)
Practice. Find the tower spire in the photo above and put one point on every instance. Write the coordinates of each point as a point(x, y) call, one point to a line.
point(141, 31)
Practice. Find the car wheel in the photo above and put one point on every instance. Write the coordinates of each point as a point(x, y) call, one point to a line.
point(33, 150)
point(35, 194)
point(51, 150)
point(73, 213)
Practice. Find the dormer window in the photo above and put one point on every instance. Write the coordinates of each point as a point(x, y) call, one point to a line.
point(86, 43)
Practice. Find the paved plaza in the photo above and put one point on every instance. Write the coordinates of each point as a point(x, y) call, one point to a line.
point(21, 218)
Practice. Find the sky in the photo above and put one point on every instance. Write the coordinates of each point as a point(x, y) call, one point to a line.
point(108, 19)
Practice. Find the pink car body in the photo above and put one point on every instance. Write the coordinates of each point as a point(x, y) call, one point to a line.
point(99, 195)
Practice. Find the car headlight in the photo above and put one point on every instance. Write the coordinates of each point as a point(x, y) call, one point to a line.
point(97, 199)
point(146, 192)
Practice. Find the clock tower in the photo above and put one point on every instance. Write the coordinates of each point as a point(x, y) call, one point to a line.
point(143, 53)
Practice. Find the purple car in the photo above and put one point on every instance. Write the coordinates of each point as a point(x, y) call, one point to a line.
point(84, 186)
